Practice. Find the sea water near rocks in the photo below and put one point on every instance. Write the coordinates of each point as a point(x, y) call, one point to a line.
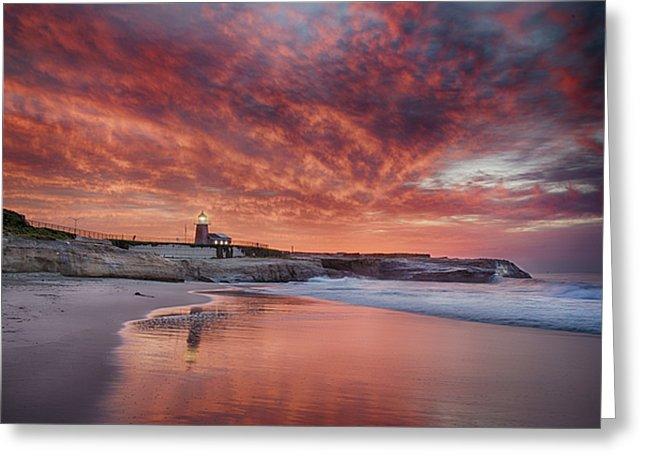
point(568, 302)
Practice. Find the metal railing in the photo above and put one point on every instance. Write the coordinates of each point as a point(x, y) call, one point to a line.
point(238, 242)
point(127, 237)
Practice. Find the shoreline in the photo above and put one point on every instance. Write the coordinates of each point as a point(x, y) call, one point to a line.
point(57, 359)
point(244, 290)
point(51, 353)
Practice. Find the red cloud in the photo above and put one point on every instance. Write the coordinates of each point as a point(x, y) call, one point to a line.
point(312, 125)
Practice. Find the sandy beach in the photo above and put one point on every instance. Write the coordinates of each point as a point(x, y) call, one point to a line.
point(239, 357)
point(57, 337)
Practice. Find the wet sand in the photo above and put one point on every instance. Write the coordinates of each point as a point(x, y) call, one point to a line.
point(249, 358)
point(58, 337)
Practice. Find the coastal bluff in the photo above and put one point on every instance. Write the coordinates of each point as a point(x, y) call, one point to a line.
point(81, 258)
point(92, 258)
point(424, 268)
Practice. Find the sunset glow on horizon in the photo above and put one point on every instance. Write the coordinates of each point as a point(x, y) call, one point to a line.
point(467, 130)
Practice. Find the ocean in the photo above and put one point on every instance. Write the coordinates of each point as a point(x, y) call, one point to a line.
point(567, 302)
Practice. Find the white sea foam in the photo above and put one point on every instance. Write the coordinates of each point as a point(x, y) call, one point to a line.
point(562, 302)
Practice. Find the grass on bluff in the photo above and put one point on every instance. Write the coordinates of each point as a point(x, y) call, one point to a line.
point(14, 223)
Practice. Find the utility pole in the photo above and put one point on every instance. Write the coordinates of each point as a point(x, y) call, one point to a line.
point(76, 221)
point(185, 235)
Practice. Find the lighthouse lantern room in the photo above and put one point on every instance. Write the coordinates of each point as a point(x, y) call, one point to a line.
point(202, 229)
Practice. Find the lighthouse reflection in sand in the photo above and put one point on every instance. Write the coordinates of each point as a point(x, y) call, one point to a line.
point(248, 357)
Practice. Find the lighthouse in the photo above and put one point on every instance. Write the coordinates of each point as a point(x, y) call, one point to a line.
point(202, 229)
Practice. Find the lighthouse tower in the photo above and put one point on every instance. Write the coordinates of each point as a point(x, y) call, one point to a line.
point(202, 229)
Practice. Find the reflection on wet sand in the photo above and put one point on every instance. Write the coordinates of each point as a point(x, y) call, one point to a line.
point(247, 358)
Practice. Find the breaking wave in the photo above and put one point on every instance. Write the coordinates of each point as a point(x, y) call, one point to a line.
point(559, 302)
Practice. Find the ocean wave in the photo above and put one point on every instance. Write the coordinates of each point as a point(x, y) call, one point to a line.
point(577, 291)
point(542, 302)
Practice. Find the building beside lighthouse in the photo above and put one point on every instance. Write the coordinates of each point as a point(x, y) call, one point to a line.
point(204, 238)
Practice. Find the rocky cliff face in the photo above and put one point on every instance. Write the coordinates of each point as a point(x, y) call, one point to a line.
point(425, 269)
point(79, 258)
point(85, 259)
point(97, 259)
point(248, 269)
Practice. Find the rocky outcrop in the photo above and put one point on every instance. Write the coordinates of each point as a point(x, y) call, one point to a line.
point(248, 269)
point(425, 269)
point(97, 259)
point(90, 258)
point(362, 266)
point(85, 259)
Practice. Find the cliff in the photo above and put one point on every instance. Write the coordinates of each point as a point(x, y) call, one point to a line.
point(424, 269)
point(89, 258)
point(249, 269)
point(84, 259)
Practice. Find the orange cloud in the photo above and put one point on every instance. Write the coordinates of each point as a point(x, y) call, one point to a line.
point(452, 128)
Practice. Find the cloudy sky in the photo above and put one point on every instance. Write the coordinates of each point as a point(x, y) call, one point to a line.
point(454, 129)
